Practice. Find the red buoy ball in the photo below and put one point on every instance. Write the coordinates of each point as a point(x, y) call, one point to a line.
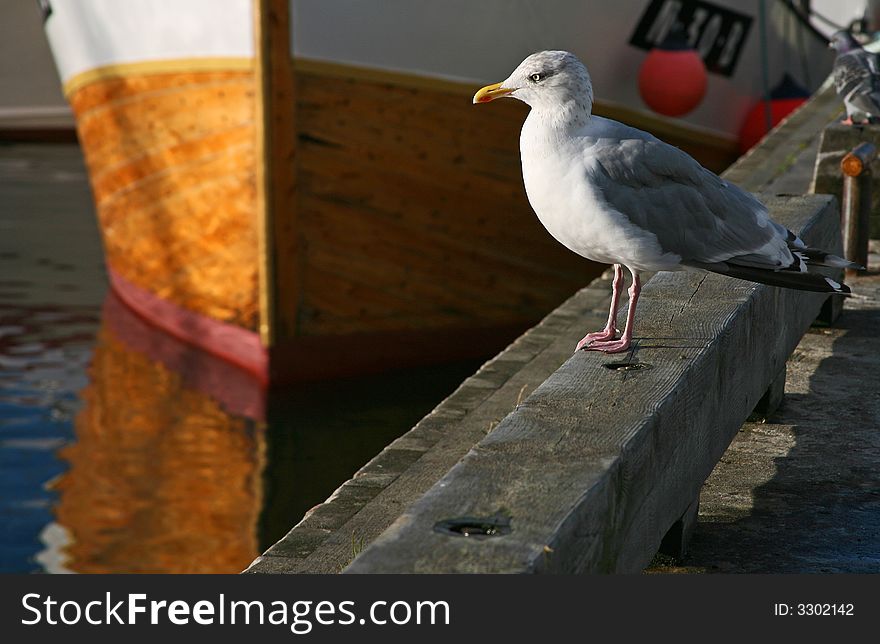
point(672, 82)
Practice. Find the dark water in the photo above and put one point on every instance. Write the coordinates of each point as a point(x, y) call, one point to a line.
point(118, 450)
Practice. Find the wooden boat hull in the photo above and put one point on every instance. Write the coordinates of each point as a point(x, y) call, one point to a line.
point(412, 238)
point(171, 163)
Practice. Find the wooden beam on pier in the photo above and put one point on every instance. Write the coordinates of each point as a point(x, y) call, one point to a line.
point(607, 456)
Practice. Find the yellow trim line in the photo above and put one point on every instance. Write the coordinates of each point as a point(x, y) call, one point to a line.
point(173, 66)
point(658, 125)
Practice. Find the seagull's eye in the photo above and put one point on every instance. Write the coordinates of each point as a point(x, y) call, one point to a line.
point(537, 78)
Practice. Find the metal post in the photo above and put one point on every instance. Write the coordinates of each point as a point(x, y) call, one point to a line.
point(856, 204)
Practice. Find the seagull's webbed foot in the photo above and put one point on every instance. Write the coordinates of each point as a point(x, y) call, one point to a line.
point(609, 331)
point(609, 344)
point(599, 336)
point(614, 346)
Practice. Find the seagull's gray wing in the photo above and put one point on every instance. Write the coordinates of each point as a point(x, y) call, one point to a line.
point(692, 211)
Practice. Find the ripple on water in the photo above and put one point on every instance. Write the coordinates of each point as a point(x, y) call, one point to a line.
point(43, 356)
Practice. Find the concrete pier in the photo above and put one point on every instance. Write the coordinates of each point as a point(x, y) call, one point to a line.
point(800, 492)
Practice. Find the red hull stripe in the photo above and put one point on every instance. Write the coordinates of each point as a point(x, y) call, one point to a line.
point(232, 343)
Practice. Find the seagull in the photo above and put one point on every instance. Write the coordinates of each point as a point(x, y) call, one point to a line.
point(618, 195)
point(856, 74)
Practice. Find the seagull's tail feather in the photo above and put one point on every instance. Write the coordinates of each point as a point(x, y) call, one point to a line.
point(817, 257)
point(801, 281)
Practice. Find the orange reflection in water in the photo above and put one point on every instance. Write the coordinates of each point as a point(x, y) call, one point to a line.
point(161, 478)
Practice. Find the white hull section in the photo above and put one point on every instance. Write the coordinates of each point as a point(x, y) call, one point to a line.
point(88, 34)
point(461, 40)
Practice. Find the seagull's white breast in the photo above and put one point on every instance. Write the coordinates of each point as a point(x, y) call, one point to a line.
point(556, 173)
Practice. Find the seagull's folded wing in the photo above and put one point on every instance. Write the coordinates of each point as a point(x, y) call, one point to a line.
point(692, 212)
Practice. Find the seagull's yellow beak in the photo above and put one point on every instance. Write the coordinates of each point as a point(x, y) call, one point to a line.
point(490, 93)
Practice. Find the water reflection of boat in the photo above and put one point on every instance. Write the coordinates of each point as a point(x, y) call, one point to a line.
point(238, 391)
point(407, 237)
point(173, 469)
point(161, 477)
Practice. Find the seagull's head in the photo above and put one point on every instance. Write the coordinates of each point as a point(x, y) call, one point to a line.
point(546, 80)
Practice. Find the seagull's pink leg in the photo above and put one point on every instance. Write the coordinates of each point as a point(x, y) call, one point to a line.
point(616, 346)
point(611, 326)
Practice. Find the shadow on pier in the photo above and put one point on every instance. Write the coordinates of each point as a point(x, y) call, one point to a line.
point(816, 507)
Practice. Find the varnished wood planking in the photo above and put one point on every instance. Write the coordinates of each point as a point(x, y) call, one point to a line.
point(172, 167)
point(495, 231)
point(713, 150)
point(401, 177)
point(175, 245)
point(437, 278)
point(340, 107)
point(226, 149)
point(165, 120)
point(397, 244)
point(440, 192)
point(504, 232)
